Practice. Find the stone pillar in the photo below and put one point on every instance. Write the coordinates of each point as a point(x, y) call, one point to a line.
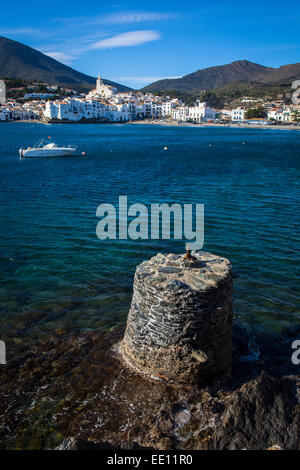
point(179, 326)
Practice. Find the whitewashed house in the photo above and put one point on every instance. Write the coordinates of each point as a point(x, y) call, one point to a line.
point(180, 113)
point(201, 112)
point(283, 115)
point(80, 109)
point(238, 114)
point(156, 110)
point(5, 114)
point(166, 108)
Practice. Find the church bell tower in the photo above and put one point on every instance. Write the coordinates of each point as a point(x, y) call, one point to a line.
point(99, 83)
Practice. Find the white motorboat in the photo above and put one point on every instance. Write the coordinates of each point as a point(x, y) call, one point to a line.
point(48, 150)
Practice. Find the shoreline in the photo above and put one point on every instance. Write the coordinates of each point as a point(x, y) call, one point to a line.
point(149, 122)
point(211, 124)
point(105, 398)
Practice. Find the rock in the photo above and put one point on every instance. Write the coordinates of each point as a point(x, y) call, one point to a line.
point(169, 270)
point(94, 398)
point(200, 356)
point(263, 411)
point(75, 443)
point(274, 447)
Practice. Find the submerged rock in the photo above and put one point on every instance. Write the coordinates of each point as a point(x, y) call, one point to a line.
point(73, 385)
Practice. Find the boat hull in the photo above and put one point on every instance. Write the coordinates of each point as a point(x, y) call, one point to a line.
point(55, 152)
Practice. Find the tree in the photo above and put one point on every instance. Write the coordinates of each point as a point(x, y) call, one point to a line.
point(296, 116)
point(258, 113)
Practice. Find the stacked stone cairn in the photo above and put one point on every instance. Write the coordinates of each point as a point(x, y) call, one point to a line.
point(179, 327)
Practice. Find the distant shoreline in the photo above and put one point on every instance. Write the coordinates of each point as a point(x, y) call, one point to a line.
point(211, 124)
point(168, 123)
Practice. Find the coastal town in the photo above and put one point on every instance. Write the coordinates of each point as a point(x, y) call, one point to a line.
point(105, 104)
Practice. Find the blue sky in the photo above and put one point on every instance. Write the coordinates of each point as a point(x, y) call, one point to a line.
point(138, 42)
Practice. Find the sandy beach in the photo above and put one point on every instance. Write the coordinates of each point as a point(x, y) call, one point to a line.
point(170, 123)
point(213, 124)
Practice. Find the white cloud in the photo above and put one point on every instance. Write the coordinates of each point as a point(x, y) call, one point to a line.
point(118, 18)
point(136, 17)
point(60, 56)
point(133, 38)
point(17, 31)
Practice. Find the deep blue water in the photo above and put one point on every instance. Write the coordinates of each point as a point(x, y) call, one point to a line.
point(55, 273)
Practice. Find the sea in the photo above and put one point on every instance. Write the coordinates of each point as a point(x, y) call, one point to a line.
point(57, 275)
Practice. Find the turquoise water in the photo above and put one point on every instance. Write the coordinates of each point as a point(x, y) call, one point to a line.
point(56, 274)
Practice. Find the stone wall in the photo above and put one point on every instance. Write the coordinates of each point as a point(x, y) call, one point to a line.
point(179, 326)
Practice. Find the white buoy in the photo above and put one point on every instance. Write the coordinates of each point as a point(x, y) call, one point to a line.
point(165, 148)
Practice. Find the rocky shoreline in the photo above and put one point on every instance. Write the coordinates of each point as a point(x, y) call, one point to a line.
point(184, 375)
point(75, 386)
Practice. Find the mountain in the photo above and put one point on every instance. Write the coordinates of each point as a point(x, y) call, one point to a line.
point(284, 74)
point(216, 77)
point(20, 61)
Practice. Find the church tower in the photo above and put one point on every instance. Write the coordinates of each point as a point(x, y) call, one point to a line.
point(99, 83)
point(2, 92)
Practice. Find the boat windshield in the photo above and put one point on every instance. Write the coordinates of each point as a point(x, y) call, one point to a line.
point(50, 146)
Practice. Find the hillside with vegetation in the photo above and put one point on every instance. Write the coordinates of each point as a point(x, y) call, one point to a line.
point(230, 95)
point(23, 62)
point(16, 88)
point(214, 78)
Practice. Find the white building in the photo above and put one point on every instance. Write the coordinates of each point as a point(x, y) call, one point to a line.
point(82, 109)
point(38, 96)
point(238, 114)
point(283, 115)
point(181, 113)
point(102, 90)
point(14, 111)
point(105, 104)
point(201, 112)
point(166, 108)
point(5, 114)
point(156, 110)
